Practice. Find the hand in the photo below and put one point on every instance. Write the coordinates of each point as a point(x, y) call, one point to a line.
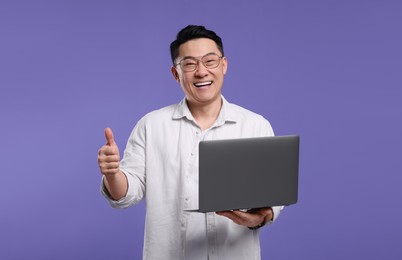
point(108, 155)
point(251, 218)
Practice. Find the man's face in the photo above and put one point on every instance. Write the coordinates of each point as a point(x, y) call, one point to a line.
point(201, 86)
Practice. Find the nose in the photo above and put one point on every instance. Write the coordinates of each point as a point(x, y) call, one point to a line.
point(201, 70)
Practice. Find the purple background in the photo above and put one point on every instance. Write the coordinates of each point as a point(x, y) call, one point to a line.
point(327, 70)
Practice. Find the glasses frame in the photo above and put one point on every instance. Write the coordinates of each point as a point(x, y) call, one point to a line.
point(199, 60)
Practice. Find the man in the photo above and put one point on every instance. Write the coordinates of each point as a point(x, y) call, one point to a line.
point(160, 162)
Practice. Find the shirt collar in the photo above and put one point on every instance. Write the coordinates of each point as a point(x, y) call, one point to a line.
point(227, 114)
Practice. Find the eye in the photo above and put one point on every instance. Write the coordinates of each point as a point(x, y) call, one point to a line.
point(189, 63)
point(210, 60)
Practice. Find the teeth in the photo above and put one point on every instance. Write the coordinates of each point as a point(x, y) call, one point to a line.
point(201, 84)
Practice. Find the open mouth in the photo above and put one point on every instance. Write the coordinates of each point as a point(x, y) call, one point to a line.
point(202, 84)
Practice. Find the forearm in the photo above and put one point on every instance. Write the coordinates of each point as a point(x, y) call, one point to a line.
point(116, 184)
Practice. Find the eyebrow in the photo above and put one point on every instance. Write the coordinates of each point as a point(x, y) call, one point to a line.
point(192, 57)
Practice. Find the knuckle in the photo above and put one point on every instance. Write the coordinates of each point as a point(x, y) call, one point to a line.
point(102, 149)
point(109, 172)
point(101, 160)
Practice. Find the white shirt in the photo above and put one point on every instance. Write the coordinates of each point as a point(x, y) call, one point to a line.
point(161, 164)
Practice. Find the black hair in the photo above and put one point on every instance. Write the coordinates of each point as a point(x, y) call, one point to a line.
point(191, 32)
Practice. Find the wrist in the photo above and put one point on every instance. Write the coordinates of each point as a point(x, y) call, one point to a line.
point(258, 226)
point(268, 218)
point(112, 175)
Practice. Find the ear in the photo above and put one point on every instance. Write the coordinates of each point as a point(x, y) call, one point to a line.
point(175, 74)
point(224, 65)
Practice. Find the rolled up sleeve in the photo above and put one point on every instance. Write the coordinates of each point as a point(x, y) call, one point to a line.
point(133, 166)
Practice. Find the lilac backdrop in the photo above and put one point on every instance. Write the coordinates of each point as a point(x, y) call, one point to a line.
point(327, 70)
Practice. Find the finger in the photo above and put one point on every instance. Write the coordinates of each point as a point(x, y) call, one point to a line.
point(109, 166)
point(234, 213)
point(109, 171)
point(108, 154)
point(242, 214)
point(111, 159)
point(105, 160)
point(243, 218)
point(108, 150)
point(259, 210)
point(264, 212)
point(224, 212)
point(109, 136)
point(232, 216)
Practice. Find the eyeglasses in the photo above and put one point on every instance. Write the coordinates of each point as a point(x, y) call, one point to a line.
point(210, 61)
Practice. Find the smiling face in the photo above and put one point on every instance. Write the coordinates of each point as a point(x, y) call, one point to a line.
point(202, 86)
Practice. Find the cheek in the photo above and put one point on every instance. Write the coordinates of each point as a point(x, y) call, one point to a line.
point(186, 80)
point(185, 83)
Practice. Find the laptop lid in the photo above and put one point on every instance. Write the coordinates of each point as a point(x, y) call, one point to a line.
point(248, 173)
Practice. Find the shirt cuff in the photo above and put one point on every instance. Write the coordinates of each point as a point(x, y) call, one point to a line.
point(121, 203)
point(275, 213)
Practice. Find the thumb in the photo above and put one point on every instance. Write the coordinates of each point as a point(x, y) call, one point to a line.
point(109, 136)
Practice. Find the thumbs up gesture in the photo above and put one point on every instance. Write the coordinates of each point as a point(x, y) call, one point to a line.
point(108, 155)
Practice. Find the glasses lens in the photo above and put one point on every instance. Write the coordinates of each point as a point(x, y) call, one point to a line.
point(210, 61)
point(188, 64)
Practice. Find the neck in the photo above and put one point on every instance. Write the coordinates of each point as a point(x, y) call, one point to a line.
point(205, 114)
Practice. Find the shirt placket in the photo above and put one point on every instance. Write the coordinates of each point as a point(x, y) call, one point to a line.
point(212, 236)
point(211, 226)
point(195, 138)
point(210, 216)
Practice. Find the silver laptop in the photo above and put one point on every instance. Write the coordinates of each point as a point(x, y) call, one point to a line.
point(248, 173)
